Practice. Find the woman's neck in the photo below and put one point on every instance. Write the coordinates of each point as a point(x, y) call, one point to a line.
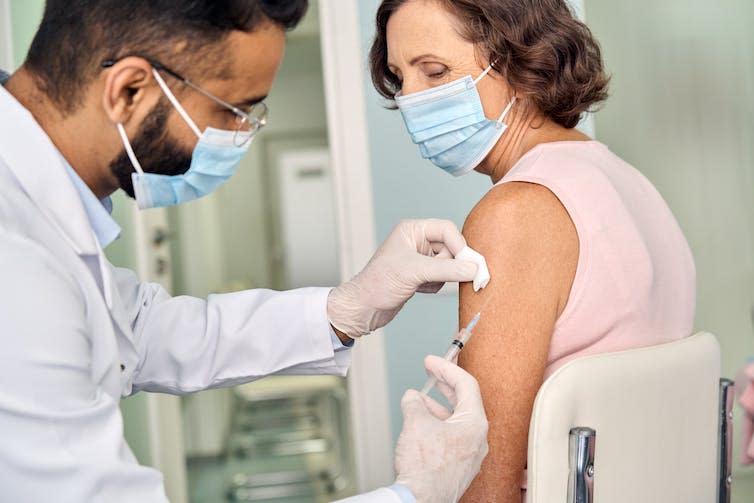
point(525, 132)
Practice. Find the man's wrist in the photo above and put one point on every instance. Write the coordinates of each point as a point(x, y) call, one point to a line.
point(347, 341)
point(337, 343)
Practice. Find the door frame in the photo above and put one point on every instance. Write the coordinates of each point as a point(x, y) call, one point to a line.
point(164, 423)
point(6, 37)
point(344, 78)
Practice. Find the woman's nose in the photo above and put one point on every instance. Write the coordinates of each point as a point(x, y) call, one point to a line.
point(410, 86)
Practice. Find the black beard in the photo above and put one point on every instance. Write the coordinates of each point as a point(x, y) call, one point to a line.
point(155, 150)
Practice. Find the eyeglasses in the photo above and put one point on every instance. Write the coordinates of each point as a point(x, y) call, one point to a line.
point(249, 120)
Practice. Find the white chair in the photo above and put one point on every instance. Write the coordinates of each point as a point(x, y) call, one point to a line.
point(640, 426)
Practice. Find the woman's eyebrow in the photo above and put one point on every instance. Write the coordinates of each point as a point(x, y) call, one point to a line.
point(416, 59)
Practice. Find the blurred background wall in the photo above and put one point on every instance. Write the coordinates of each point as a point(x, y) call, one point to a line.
point(681, 110)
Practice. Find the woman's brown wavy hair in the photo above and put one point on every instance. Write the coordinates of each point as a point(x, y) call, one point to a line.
point(546, 55)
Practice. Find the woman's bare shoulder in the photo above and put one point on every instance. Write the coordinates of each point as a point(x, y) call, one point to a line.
point(517, 209)
point(527, 238)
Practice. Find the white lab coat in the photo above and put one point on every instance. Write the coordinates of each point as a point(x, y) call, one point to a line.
point(77, 333)
point(382, 495)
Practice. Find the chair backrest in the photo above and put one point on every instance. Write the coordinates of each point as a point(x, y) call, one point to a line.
point(654, 412)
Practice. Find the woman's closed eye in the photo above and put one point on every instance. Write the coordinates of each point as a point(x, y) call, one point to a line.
point(434, 70)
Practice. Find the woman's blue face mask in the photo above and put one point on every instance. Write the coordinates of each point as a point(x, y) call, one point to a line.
point(449, 125)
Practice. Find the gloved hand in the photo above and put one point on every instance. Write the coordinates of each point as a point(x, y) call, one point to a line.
point(439, 453)
point(417, 256)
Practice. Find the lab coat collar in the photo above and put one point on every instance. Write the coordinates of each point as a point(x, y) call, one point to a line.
point(99, 211)
point(38, 166)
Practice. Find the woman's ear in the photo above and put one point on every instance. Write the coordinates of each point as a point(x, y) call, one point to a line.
point(128, 87)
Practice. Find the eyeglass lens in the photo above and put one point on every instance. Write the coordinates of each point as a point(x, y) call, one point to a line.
point(256, 118)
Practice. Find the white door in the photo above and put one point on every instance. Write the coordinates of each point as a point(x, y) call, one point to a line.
point(307, 211)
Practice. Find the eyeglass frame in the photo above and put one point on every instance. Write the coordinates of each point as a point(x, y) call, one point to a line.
point(255, 123)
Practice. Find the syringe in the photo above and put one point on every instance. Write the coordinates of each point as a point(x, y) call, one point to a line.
point(455, 347)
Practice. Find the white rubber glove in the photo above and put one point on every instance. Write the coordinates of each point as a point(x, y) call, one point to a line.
point(417, 256)
point(439, 453)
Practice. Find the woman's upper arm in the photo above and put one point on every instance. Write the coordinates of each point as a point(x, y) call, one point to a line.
point(532, 250)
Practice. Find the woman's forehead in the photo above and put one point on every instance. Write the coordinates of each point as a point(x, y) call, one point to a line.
point(424, 27)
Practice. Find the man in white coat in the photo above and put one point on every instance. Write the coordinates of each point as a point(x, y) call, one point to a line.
point(161, 99)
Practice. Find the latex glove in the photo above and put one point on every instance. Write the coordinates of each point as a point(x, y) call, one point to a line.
point(439, 453)
point(417, 256)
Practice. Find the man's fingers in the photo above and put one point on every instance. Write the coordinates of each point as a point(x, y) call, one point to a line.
point(430, 287)
point(447, 392)
point(440, 250)
point(436, 409)
point(463, 384)
point(412, 405)
point(438, 270)
point(443, 231)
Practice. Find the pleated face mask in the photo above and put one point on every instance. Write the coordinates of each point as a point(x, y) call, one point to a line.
point(213, 161)
point(449, 125)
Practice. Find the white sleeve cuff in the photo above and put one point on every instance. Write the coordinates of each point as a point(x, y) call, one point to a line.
point(403, 493)
point(382, 495)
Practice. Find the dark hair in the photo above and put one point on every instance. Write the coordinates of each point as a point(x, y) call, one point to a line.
point(547, 55)
point(75, 36)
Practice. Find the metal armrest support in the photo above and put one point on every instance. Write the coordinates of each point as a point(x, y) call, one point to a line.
point(725, 439)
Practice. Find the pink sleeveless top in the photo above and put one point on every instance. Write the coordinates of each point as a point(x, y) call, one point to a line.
point(635, 282)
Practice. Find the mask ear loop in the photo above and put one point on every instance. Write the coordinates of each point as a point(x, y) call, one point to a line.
point(129, 150)
point(505, 112)
point(174, 101)
point(484, 73)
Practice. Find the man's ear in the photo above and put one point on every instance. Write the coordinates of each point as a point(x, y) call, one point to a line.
point(129, 85)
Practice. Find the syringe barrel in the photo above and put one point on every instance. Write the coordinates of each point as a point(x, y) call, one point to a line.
point(452, 352)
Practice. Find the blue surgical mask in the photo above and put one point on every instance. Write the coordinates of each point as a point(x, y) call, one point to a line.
point(213, 161)
point(449, 125)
